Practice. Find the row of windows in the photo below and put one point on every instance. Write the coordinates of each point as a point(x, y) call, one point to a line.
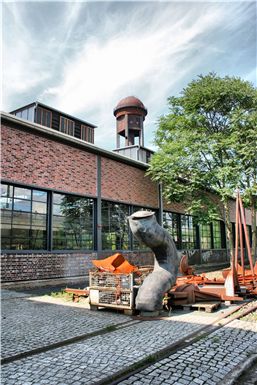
point(28, 213)
point(34, 219)
point(67, 126)
point(189, 235)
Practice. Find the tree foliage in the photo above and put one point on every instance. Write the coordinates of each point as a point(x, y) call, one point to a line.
point(207, 142)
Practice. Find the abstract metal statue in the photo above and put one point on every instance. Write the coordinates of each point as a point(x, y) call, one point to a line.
point(145, 228)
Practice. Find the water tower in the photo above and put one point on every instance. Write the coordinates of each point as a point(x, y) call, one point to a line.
point(130, 114)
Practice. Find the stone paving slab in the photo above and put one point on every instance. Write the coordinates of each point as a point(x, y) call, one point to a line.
point(205, 362)
point(88, 361)
point(28, 325)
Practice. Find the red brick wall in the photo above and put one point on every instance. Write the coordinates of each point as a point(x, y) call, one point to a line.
point(36, 160)
point(175, 207)
point(25, 267)
point(128, 184)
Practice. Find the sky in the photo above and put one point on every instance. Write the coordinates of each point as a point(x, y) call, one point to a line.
point(84, 57)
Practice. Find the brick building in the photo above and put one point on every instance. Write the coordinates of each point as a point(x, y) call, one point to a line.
point(65, 201)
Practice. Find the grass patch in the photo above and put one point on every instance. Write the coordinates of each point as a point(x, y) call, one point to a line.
point(61, 295)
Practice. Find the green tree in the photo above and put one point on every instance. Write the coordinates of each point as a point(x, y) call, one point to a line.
point(197, 151)
point(245, 140)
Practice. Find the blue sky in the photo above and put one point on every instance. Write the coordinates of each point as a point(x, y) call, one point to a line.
point(83, 57)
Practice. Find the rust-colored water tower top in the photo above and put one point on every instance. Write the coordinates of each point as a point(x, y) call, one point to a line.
point(130, 114)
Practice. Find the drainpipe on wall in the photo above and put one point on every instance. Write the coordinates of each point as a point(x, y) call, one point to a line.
point(99, 209)
point(160, 219)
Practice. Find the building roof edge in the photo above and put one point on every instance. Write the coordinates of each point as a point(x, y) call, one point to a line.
point(57, 135)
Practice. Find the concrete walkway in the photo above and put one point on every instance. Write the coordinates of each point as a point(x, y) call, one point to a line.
point(54, 344)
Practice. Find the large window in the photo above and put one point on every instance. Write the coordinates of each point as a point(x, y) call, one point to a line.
point(44, 117)
point(115, 228)
point(171, 223)
point(26, 113)
point(23, 218)
point(206, 237)
point(217, 239)
point(72, 222)
point(87, 134)
point(67, 126)
point(188, 232)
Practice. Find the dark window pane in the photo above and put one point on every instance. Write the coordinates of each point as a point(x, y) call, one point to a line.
point(5, 243)
point(188, 232)
point(115, 230)
point(6, 231)
point(39, 196)
point(205, 231)
point(57, 198)
point(38, 220)
point(6, 216)
point(171, 224)
point(37, 244)
point(6, 203)
point(22, 193)
point(24, 114)
point(57, 210)
point(21, 219)
point(22, 205)
point(216, 235)
point(20, 244)
point(6, 190)
point(72, 218)
point(31, 114)
point(38, 233)
point(43, 117)
point(23, 230)
point(38, 207)
point(39, 115)
point(19, 232)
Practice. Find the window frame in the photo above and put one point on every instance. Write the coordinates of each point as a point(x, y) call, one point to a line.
point(26, 223)
point(66, 129)
point(69, 229)
point(42, 117)
point(110, 223)
point(87, 133)
point(10, 191)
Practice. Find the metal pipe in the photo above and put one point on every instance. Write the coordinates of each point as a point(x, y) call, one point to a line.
point(246, 236)
point(241, 248)
point(237, 226)
point(145, 228)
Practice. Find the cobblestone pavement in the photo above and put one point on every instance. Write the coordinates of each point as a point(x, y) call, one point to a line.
point(207, 361)
point(28, 325)
point(95, 358)
point(11, 294)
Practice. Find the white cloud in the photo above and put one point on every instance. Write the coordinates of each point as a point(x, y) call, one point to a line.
point(128, 63)
point(83, 58)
